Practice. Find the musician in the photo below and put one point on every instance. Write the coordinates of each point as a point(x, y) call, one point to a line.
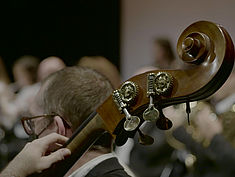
point(65, 100)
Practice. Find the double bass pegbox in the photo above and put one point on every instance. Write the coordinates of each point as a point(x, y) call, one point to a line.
point(124, 98)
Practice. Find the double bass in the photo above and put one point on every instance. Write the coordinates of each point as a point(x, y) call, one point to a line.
point(205, 46)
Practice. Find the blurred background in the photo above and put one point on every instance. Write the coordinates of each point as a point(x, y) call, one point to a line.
point(122, 31)
point(142, 21)
point(65, 29)
point(119, 39)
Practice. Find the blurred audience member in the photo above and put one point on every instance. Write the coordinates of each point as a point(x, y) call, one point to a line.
point(49, 65)
point(103, 66)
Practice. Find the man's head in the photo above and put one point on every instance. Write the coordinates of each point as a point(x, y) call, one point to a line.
point(73, 94)
point(49, 65)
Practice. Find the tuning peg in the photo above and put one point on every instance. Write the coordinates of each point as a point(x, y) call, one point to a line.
point(151, 113)
point(145, 139)
point(162, 122)
point(132, 122)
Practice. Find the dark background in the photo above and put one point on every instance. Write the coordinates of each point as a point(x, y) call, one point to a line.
point(67, 29)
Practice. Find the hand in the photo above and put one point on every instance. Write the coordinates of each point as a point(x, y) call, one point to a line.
point(33, 157)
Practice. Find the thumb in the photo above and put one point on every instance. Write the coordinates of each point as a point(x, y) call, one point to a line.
point(56, 156)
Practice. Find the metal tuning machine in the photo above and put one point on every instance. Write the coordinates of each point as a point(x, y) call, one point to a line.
point(151, 113)
point(163, 83)
point(158, 84)
point(124, 97)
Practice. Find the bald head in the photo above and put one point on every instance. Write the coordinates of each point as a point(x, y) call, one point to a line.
point(103, 66)
point(48, 66)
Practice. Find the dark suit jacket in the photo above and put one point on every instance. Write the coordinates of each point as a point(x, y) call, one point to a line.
point(108, 168)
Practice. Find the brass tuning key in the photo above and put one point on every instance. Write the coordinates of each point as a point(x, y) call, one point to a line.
point(158, 84)
point(123, 98)
point(151, 113)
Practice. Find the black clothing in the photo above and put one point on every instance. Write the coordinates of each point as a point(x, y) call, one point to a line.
point(149, 161)
point(108, 168)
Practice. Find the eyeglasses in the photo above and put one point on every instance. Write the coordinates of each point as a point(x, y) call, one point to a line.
point(29, 123)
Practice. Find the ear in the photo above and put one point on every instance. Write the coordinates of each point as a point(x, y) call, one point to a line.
point(60, 125)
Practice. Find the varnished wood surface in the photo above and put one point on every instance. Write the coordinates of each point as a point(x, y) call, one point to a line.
point(189, 85)
point(208, 74)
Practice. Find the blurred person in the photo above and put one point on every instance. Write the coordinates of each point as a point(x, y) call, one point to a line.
point(14, 105)
point(196, 150)
point(211, 137)
point(33, 157)
point(14, 101)
point(224, 98)
point(164, 57)
point(16, 97)
point(3, 73)
point(183, 150)
point(211, 154)
point(25, 71)
point(68, 97)
point(150, 161)
point(49, 65)
point(103, 66)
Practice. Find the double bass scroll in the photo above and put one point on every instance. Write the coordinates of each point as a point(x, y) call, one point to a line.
point(205, 46)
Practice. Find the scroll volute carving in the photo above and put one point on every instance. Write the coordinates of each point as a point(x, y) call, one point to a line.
point(195, 48)
point(205, 46)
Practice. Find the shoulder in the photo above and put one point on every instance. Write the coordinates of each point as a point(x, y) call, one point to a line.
point(108, 168)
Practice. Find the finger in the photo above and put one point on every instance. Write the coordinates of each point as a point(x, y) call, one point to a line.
point(56, 156)
point(50, 139)
point(55, 147)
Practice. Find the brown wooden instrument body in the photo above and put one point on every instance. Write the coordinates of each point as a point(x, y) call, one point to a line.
point(209, 71)
point(189, 85)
